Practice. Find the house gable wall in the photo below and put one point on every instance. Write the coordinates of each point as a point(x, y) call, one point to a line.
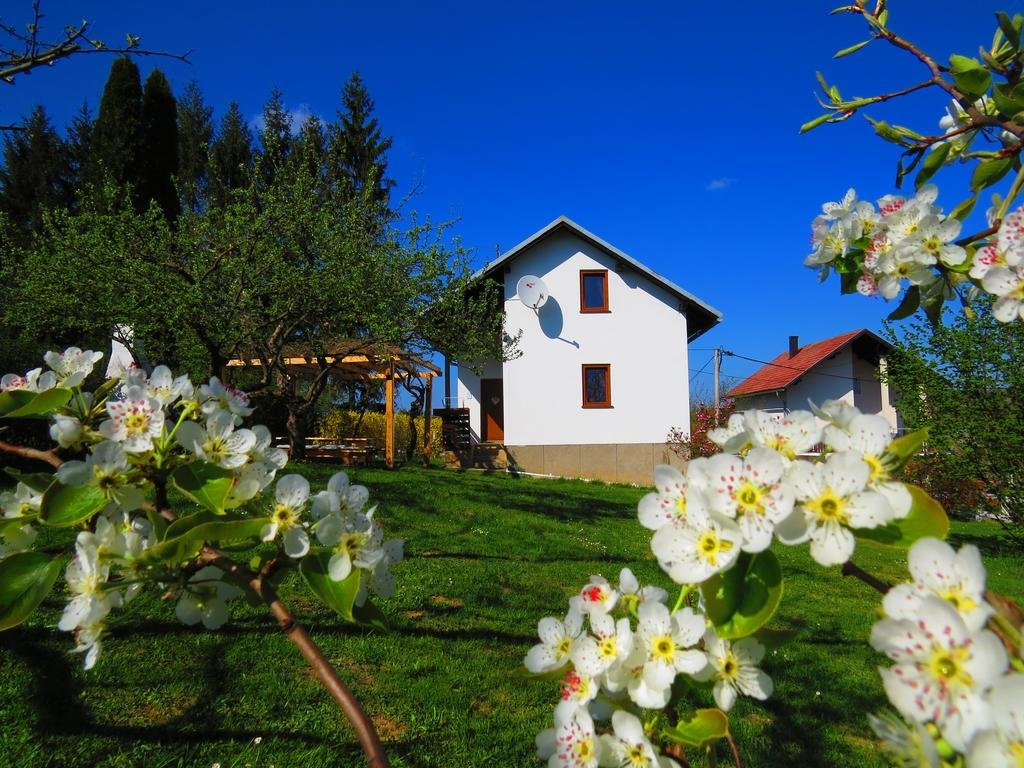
point(844, 376)
point(642, 338)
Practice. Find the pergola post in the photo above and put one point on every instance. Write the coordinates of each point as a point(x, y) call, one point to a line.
point(389, 416)
point(428, 414)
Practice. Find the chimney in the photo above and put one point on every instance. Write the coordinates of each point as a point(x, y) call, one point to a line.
point(794, 345)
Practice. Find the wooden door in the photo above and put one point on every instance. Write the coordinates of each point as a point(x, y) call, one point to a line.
point(492, 410)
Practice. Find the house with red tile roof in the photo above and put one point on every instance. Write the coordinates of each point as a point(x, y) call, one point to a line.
point(844, 367)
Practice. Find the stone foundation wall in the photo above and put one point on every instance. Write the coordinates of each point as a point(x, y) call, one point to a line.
point(614, 463)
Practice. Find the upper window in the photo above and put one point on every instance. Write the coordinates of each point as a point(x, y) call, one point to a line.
point(594, 290)
point(597, 386)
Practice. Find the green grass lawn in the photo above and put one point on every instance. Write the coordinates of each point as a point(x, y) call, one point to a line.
point(486, 557)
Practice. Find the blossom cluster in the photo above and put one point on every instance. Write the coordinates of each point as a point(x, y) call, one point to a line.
point(909, 241)
point(804, 477)
point(950, 677)
point(628, 661)
point(764, 486)
point(133, 432)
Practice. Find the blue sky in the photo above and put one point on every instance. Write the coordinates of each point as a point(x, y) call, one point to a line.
point(668, 129)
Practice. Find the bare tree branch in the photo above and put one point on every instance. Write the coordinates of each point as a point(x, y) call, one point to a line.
point(24, 52)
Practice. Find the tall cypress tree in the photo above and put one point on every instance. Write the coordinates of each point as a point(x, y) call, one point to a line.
point(357, 148)
point(160, 146)
point(34, 176)
point(117, 137)
point(231, 156)
point(195, 131)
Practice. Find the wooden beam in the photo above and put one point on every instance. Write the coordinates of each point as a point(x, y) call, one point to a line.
point(389, 417)
point(428, 412)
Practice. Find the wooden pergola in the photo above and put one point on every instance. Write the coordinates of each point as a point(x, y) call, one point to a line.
point(363, 361)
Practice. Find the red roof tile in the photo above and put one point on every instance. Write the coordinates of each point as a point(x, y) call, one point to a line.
point(784, 370)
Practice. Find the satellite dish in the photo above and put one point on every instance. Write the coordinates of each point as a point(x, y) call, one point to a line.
point(532, 291)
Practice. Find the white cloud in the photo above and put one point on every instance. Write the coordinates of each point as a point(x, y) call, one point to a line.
point(716, 184)
point(299, 115)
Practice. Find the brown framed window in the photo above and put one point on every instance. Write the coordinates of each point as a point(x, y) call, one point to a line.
point(597, 386)
point(594, 290)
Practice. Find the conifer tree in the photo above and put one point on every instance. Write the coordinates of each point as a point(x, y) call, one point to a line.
point(159, 161)
point(231, 156)
point(34, 176)
point(195, 132)
point(358, 149)
point(311, 146)
point(275, 137)
point(117, 136)
point(79, 153)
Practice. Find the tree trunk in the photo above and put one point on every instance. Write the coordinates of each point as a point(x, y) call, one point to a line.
point(296, 432)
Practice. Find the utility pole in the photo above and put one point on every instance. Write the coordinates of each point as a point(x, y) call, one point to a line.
point(718, 368)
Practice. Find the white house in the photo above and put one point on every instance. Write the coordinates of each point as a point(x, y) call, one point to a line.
point(603, 370)
point(844, 367)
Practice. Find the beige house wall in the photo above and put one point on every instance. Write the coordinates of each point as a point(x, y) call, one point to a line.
point(611, 462)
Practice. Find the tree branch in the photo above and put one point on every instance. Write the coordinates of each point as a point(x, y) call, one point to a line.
point(50, 456)
point(325, 673)
point(849, 569)
point(38, 53)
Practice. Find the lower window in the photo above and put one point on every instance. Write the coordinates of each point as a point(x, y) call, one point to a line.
point(597, 386)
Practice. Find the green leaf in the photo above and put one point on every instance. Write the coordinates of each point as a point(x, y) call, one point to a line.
point(904, 448)
point(1011, 31)
point(206, 484)
point(775, 638)
point(926, 518)
point(19, 403)
point(988, 172)
point(158, 523)
point(743, 599)
point(339, 595)
point(848, 282)
point(970, 76)
point(195, 531)
point(15, 522)
point(812, 124)
point(886, 131)
point(65, 505)
point(370, 615)
point(911, 301)
point(963, 210)
point(26, 578)
point(935, 160)
point(852, 49)
point(37, 481)
point(705, 726)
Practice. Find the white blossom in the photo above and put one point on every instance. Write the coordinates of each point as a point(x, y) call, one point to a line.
point(72, 365)
point(204, 598)
point(942, 670)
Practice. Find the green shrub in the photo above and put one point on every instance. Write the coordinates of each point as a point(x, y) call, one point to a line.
point(339, 424)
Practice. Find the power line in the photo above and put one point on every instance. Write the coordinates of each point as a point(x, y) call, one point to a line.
point(698, 373)
point(804, 371)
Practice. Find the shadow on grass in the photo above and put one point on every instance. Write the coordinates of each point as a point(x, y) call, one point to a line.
point(574, 502)
point(990, 546)
point(588, 558)
point(55, 697)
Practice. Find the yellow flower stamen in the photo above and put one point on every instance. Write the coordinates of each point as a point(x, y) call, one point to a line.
point(829, 507)
point(710, 546)
point(748, 498)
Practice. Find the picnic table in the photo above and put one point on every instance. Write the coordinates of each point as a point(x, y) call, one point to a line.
point(347, 450)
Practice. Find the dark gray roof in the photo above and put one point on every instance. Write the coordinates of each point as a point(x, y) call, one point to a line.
point(701, 317)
